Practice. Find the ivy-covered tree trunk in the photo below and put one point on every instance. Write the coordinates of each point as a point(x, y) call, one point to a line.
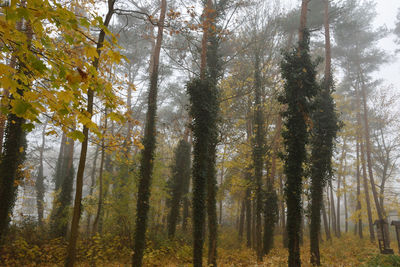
point(13, 148)
point(180, 178)
point(12, 157)
point(203, 111)
point(299, 73)
point(324, 132)
point(149, 142)
point(270, 216)
point(64, 179)
point(71, 250)
point(271, 209)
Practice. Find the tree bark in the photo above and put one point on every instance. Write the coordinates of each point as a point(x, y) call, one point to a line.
point(346, 217)
point(40, 179)
point(92, 185)
point(241, 219)
point(258, 154)
point(364, 169)
point(338, 191)
point(100, 202)
point(149, 142)
point(366, 190)
point(333, 212)
point(358, 207)
point(13, 150)
point(71, 250)
point(325, 219)
point(368, 147)
point(294, 183)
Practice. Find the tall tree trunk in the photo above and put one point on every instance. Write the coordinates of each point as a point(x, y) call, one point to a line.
point(13, 149)
point(71, 250)
point(92, 185)
point(346, 217)
point(271, 209)
point(258, 153)
point(60, 213)
point(294, 161)
point(364, 170)
point(179, 180)
point(338, 191)
point(368, 147)
point(366, 190)
point(100, 200)
point(333, 212)
point(40, 179)
point(253, 225)
point(358, 207)
point(325, 219)
point(149, 142)
point(283, 213)
point(221, 182)
point(248, 216)
point(241, 219)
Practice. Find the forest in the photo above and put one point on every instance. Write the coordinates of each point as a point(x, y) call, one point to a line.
point(199, 133)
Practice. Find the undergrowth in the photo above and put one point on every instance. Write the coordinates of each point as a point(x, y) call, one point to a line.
point(108, 250)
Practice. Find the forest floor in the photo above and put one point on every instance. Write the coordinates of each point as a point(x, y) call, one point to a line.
point(108, 251)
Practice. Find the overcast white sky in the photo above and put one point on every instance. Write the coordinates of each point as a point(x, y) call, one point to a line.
point(387, 11)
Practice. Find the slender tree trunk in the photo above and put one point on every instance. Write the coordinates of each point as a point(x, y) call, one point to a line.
point(149, 142)
point(346, 217)
point(364, 170)
point(40, 180)
point(338, 191)
point(221, 182)
point(333, 212)
point(358, 207)
point(271, 209)
point(283, 213)
point(248, 217)
point(71, 250)
point(258, 154)
point(325, 219)
point(100, 201)
point(92, 185)
point(368, 148)
point(253, 225)
point(366, 191)
point(241, 219)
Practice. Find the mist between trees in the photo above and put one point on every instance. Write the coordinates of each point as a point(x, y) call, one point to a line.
point(197, 133)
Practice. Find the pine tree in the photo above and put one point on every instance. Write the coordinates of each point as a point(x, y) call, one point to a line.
point(325, 126)
point(149, 142)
